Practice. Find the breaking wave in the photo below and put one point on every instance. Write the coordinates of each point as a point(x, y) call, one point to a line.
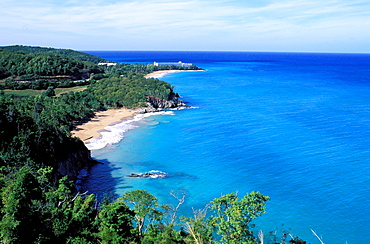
point(114, 133)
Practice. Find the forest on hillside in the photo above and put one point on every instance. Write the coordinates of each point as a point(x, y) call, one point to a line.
point(81, 56)
point(22, 70)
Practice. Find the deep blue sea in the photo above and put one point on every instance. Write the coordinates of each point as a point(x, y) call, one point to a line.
point(294, 126)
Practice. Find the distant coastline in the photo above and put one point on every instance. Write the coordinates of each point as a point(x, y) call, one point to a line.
point(161, 73)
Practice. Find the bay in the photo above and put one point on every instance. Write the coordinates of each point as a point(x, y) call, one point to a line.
point(294, 126)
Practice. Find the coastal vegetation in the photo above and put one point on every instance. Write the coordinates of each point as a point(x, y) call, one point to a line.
point(81, 56)
point(129, 91)
point(21, 70)
point(39, 160)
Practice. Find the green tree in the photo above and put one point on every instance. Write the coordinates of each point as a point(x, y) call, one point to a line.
point(50, 92)
point(73, 218)
point(232, 216)
point(115, 223)
point(21, 221)
point(163, 234)
point(145, 208)
point(199, 231)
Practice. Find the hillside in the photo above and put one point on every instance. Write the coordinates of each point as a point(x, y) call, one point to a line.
point(21, 70)
point(66, 52)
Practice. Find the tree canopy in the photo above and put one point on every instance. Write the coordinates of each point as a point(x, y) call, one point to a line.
point(65, 52)
point(22, 66)
point(232, 216)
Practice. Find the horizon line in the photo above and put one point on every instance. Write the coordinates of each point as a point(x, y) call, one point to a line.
point(162, 50)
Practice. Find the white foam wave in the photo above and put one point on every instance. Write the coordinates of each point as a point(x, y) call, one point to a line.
point(114, 133)
point(157, 174)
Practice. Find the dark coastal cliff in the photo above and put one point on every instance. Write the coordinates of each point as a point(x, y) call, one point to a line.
point(72, 157)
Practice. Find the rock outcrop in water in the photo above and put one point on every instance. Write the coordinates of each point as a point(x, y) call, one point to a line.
point(156, 103)
point(150, 174)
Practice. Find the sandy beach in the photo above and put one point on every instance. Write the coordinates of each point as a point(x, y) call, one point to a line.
point(161, 73)
point(102, 119)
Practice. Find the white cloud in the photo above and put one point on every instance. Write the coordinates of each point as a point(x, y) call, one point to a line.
point(181, 21)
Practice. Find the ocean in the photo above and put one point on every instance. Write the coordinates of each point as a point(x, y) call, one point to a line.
point(294, 126)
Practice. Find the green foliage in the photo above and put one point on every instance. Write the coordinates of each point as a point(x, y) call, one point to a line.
point(26, 92)
point(50, 92)
point(199, 231)
point(163, 234)
point(74, 217)
point(20, 216)
point(37, 129)
point(66, 52)
point(30, 66)
point(129, 91)
point(145, 207)
point(35, 211)
point(115, 223)
point(38, 70)
point(232, 216)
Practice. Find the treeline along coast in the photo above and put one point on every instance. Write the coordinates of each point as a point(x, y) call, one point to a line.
point(44, 93)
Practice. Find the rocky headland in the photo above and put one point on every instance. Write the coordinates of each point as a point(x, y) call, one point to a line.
point(156, 103)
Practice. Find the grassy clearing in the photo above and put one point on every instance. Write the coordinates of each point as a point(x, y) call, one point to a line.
point(59, 91)
point(29, 92)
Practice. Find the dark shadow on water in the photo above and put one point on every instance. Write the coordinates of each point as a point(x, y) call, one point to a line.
point(99, 180)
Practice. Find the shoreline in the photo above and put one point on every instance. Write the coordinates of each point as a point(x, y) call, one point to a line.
point(107, 127)
point(92, 129)
point(161, 73)
point(115, 132)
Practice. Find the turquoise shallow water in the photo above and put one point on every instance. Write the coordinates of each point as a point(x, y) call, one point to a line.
point(295, 127)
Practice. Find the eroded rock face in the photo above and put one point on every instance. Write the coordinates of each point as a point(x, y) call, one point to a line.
point(156, 103)
point(172, 102)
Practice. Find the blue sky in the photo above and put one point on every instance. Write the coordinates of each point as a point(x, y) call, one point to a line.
point(209, 25)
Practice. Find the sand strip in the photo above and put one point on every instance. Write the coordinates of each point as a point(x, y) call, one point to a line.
point(102, 119)
point(161, 73)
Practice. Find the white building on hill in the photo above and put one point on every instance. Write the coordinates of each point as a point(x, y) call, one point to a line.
point(181, 64)
point(107, 64)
